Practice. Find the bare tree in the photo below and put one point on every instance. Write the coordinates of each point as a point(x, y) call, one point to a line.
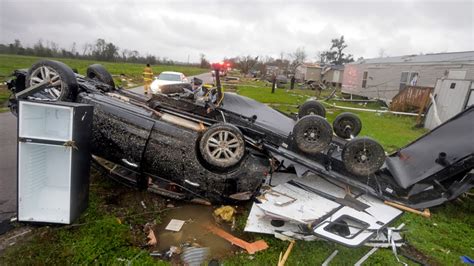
point(87, 48)
point(204, 63)
point(246, 63)
point(298, 57)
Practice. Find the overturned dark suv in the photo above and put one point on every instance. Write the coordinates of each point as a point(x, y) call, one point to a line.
point(197, 143)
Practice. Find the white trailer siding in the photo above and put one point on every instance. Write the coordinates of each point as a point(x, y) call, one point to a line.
point(384, 74)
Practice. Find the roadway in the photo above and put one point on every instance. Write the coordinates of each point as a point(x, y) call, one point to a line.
point(8, 186)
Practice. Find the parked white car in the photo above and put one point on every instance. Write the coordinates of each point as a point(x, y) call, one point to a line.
point(167, 77)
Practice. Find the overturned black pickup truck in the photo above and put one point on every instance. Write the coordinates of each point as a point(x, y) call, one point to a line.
point(198, 143)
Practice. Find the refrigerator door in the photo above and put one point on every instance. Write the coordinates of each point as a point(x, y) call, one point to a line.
point(44, 182)
point(45, 121)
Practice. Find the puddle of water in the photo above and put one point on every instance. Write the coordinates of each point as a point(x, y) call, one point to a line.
point(192, 231)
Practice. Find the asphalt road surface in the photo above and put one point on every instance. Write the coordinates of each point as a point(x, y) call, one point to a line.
point(8, 190)
point(206, 78)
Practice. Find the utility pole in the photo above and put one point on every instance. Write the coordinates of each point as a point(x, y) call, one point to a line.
point(273, 83)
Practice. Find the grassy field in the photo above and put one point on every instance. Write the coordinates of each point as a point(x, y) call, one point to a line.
point(8, 63)
point(391, 130)
point(111, 230)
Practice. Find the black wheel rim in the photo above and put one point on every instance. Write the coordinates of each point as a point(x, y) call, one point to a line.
point(312, 134)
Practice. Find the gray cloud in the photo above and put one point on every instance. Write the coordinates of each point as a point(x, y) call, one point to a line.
point(176, 29)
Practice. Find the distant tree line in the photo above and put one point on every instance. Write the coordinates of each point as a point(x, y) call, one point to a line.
point(287, 63)
point(99, 50)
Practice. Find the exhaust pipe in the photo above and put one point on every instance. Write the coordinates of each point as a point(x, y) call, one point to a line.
point(199, 127)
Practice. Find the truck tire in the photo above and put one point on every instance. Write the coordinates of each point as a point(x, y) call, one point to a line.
point(363, 156)
point(63, 80)
point(312, 134)
point(222, 146)
point(346, 125)
point(99, 73)
point(311, 107)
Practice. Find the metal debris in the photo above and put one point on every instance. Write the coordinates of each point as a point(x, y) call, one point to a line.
point(194, 256)
point(366, 256)
point(330, 258)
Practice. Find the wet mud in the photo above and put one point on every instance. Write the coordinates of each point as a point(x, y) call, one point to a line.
point(193, 233)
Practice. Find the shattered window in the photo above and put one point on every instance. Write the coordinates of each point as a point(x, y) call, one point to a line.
point(413, 78)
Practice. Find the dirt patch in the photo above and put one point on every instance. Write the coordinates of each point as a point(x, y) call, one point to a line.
point(14, 236)
point(414, 254)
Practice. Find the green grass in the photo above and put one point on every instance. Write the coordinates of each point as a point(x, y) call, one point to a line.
point(103, 234)
point(281, 96)
point(447, 235)
point(392, 131)
point(8, 63)
point(102, 239)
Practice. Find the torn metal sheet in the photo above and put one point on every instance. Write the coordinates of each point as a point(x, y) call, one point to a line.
point(194, 256)
point(351, 227)
point(306, 209)
point(330, 220)
point(384, 239)
point(258, 222)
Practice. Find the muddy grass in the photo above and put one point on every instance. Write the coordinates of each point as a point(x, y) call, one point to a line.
point(112, 231)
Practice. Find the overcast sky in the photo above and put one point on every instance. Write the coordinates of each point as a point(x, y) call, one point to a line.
point(176, 29)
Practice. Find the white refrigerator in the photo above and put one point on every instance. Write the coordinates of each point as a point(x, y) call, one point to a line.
point(53, 160)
